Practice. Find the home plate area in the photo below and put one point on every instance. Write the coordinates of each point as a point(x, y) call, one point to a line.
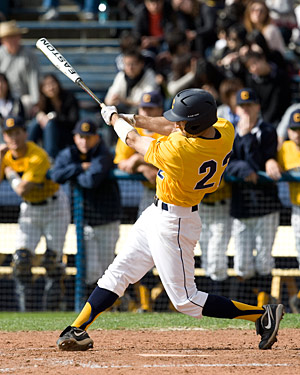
point(229, 351)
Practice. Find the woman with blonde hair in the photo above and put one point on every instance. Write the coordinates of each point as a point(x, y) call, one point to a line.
point(257, 17)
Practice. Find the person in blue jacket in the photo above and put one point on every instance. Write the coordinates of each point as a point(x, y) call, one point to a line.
point(254, 205)
point(87, 165)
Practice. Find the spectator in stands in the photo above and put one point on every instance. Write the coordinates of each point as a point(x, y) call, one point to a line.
point(128, 42)
point(129, 85)
point(254, 205)
point(289, 160)
point(177, 47)
point(44, 212)
point(283, 15)
point(152, 20)
point(257, 17)
point(128, 160)
point(9, 106)
point(228, 57)
point(198, 20)
point(56, 114)
point(19, 64)
point(183, 73)
point(256, 42)
point(228, 90)
point(89, 10)
point(271, 84)
point(189, 71)
point(215, 208)
point(233, 10)
point(87, 164)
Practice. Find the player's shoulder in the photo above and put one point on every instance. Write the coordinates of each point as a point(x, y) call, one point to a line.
point(34, 150)
point(224, 125)
point(175, 137)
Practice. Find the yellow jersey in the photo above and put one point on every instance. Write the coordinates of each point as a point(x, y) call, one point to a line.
point(189, 168)
point(289, 159)
point(32, 167)
point(123, 152)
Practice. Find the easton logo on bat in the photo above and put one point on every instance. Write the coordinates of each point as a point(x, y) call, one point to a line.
point(58, 55)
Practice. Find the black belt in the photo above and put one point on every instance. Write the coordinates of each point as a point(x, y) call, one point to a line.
point(42, 203)
point(222, 202)
point(164, 205)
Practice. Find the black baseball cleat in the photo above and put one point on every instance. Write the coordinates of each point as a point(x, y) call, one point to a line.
point(74, 339)
point(268, 324)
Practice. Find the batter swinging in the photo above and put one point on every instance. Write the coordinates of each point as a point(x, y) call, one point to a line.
point(191, 155)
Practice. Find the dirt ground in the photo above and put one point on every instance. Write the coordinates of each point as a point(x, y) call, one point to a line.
point(152, 352)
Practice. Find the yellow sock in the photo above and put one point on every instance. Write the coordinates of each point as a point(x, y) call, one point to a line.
point(145, 298)
point(221, 307)
point(262, 299)
point(257, 311)
point(84, 317)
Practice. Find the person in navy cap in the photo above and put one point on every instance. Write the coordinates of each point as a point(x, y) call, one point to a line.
point(87, 164)
point(289, 160)
point(254, 206)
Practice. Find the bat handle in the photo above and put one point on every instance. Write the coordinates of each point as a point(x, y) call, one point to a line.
point(80, 83)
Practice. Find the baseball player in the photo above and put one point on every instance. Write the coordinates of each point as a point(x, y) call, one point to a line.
point(289, 160)
point(191, 156)
point(44, 211)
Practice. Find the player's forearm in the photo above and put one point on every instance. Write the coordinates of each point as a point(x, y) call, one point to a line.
point(158, 125)
point(138, 143)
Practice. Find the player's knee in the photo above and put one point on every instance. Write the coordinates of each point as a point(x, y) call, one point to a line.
point(22, 263)
point(182, 307)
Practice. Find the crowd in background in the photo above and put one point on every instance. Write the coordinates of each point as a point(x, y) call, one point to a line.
point(243, 52)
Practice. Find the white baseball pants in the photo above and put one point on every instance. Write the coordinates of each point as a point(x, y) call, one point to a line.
point(100, 243)
point(50, 220)
point(254, 233)
point(165, 239)
point(295, 219)
point(214, 238)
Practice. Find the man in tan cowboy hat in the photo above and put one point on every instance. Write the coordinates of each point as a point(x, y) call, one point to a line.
point(19, 64)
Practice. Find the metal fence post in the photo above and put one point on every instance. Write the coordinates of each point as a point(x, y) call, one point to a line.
point(78, 210)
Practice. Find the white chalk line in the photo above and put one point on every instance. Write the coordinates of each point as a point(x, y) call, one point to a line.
point(93, 365)
point(175, 355)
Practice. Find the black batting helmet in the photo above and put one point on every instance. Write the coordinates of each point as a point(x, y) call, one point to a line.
point(196, 106)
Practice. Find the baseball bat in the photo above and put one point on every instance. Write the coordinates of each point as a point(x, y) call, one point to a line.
point(64, 66)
